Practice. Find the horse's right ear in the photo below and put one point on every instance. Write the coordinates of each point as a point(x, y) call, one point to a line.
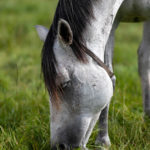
point(65, 34)
point(42, 32)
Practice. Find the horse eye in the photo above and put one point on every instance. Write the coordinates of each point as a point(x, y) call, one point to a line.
point(66, 84)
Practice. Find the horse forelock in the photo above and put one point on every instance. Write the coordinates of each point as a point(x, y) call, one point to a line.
point(77, 13)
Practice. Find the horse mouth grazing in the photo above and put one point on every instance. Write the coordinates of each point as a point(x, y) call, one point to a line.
point(64, 147)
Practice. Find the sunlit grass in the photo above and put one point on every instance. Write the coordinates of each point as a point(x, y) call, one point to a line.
point(24, 105)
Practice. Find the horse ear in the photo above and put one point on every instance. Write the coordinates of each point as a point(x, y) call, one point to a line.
point(42, 32)
point(65, 34)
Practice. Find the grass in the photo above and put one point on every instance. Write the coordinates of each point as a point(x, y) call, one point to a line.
point(24, 106)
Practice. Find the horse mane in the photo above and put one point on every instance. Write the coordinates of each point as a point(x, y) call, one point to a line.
point(77, 13)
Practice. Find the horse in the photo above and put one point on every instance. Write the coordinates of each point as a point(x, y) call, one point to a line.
point(77, 66)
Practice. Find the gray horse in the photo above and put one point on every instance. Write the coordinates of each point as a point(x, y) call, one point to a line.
point(79, 40)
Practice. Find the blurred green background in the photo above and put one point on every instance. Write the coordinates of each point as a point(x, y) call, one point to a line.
point(24, 104)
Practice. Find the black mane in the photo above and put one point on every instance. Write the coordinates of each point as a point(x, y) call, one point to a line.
point(77, 13)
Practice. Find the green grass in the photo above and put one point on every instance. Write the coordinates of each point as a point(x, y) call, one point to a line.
point(24, 106)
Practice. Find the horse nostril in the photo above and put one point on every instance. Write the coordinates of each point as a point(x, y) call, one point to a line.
point(62, 147)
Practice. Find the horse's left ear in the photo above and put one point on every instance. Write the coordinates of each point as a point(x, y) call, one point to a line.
point(65, 34)
point(42, 32)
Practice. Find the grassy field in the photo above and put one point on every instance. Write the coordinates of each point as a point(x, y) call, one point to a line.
point(24, 106)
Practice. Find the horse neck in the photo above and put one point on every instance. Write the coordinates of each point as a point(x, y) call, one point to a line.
point(98, 31)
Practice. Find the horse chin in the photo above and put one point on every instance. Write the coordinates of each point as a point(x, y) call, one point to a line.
point(72, 132)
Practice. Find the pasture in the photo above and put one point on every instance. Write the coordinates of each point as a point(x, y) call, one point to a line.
point(24, 104)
